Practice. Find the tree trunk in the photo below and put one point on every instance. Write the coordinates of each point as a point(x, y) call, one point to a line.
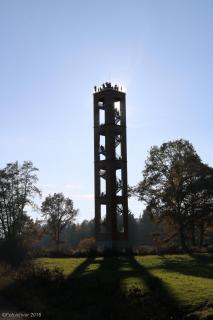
point(201, 229)
point(193, 234)
point(58, 238)
point(182, 237)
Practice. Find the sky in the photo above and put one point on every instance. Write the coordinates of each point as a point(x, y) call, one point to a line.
point(52, 54)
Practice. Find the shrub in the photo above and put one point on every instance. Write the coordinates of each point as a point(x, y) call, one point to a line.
point(87, 245)
point(37, 275)
point(13, 252)
point(144, 250)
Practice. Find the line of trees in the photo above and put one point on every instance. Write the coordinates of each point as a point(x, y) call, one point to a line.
point(177, 188)
point(18, 232)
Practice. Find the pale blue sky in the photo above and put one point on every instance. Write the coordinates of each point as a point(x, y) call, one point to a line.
point(54, 51)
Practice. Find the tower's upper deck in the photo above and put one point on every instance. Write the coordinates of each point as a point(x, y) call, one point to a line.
point(107, 86)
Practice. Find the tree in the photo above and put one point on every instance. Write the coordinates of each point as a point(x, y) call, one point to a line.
point(17, 190)
point(58, 211)
point(147, 227)
point(31, 233)
point(172, 177)
point(201, 204)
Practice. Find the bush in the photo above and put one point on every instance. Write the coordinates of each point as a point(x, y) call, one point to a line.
point(87, 245)
point(39, 276)
point(210, 249)
point(198, 250)
point(152, 250)
point(144, 250)
point(13, 252)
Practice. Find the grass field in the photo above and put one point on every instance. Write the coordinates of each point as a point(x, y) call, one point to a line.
point(149, 287)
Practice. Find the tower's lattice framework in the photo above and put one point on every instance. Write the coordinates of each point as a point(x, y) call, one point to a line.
point(110, 153)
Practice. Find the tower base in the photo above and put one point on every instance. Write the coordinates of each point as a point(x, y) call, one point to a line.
point(112, 245)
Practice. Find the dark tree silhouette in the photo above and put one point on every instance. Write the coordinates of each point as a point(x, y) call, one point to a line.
point(200, 204)
point(59, 212)
point(17, 190)
point(173, 176)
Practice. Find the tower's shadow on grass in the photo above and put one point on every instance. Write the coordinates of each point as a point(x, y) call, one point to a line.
point(99, 293)
point(94, 290)
point(198, 266)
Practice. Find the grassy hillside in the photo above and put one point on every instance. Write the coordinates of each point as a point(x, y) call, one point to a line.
point(150, 287)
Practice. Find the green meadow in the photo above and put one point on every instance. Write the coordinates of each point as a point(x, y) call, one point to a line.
point(146, 287)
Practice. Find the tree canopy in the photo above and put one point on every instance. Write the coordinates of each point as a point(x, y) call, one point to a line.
point(58, 211)
point(17, 190)
point(176, 185)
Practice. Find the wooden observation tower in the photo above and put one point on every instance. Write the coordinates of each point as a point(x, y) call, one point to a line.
point(110, 155)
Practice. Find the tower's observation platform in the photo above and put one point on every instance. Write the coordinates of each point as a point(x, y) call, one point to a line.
point(110, 154)
point(108, 86)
